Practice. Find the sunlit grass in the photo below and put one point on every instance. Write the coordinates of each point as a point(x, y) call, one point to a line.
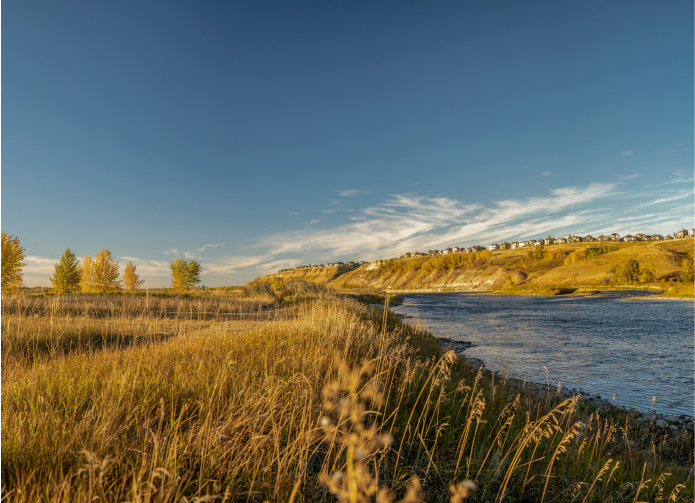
point(324, 395)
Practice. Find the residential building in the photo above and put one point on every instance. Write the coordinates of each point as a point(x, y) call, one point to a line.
point(515, 244)
point(602, 238)
point(614, 237)
point(589, 239)
point(493, 246)
point(629, 238)
point(641, 237)
point(656, 237)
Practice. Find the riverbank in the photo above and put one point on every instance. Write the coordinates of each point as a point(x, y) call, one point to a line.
point(674, 423)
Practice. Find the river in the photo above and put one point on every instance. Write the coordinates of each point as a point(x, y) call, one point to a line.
point(640, 351)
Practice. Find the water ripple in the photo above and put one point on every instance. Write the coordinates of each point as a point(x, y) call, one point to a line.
point(633, 350)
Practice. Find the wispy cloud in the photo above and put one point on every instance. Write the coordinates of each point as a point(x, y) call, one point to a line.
point(546, 173)
point(39, 265)
point(231, 264)
point(683, 144)
point(350, 193)
point(407, 222)
point(682, 195)
point(173, 251)
point(202, 248)
point(627, 152)
point(680, 176)
point(628, 177)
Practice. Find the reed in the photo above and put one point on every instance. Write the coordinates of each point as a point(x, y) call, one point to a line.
point(301, 395)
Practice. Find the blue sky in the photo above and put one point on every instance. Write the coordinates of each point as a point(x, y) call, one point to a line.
point(253, 136)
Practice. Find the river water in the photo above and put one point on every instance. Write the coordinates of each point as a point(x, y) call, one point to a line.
point(640, 351)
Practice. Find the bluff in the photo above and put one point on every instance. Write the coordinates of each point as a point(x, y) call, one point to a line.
point(482, 271)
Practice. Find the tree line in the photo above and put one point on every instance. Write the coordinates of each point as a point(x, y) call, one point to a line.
point(94, 275)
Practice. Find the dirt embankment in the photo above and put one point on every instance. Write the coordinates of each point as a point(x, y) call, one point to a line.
point(320, 275)
point(484, 277)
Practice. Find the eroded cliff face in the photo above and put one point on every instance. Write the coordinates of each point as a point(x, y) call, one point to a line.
point(473, 279)
point(321, 275)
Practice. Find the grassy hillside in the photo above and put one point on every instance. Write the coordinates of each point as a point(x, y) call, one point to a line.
point(661, 257)
point(501, 269)
point(224, 397)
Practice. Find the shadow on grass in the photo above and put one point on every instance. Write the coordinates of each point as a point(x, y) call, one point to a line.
point(44, 346)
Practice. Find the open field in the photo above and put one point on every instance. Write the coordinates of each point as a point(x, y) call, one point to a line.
point(501, 269)
point(292, 398)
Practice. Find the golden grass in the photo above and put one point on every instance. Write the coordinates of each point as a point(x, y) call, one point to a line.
point(597, 271)
point(680, 290)
point(536, 290)
point(302, 401)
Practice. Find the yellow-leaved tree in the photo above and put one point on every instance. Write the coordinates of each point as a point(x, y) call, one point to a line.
point(131, 279)
point(185, 274)
point(12, 256)
point(100, 274)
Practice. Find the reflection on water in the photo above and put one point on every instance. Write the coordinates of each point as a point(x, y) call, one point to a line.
point(633, 349)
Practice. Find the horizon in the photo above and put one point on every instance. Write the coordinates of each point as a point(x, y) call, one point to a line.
point(253, 138)
point(320, 264)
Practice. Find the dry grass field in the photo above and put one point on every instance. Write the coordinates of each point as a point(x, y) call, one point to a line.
point(308, 395)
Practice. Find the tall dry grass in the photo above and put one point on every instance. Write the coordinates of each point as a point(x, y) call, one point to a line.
point(327, 398)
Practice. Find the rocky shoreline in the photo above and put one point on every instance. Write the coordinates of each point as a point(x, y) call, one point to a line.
point(660, 297)
point(676, 424)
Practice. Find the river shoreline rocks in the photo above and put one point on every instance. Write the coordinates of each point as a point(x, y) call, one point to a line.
point(659, 297)
point(675, 423)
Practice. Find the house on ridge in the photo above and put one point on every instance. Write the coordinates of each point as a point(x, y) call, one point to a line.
point(493, 246)
point(614, 237)
point(589, 239)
